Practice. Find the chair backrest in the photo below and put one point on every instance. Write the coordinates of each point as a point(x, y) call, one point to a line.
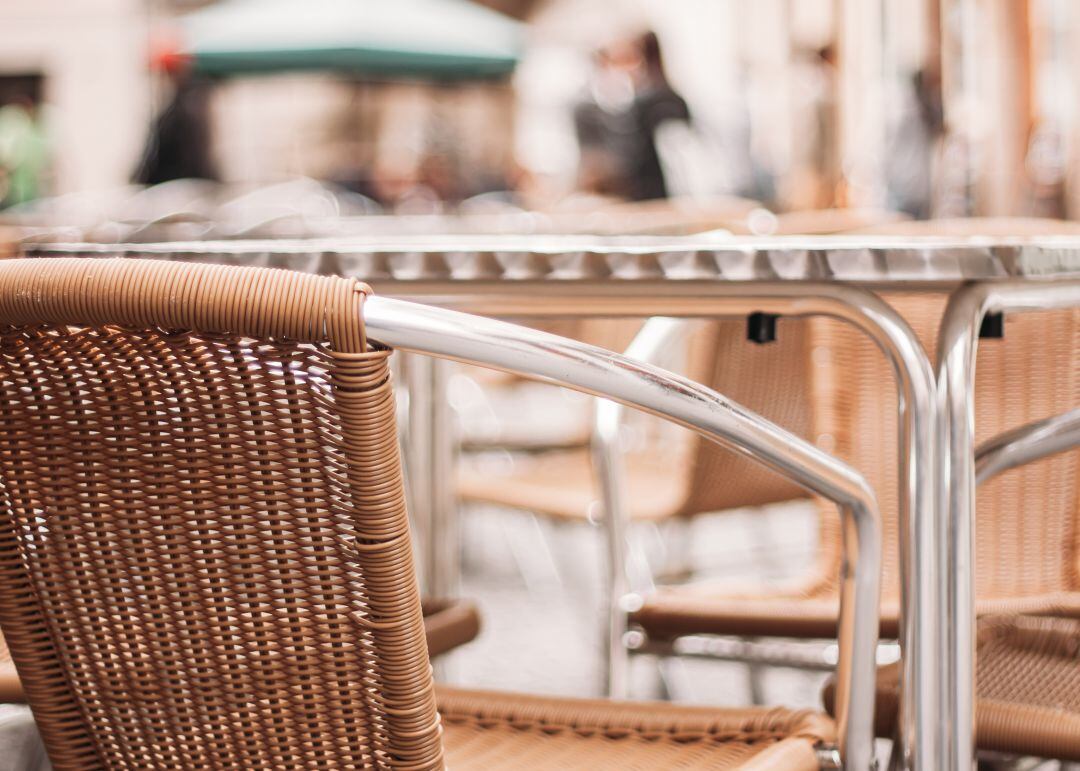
point(204, 549)
point(829, 383)
point(772, 380)
point(1028, 526)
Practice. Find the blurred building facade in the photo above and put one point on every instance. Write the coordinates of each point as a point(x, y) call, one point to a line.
point(91, 57)
point(802, 104)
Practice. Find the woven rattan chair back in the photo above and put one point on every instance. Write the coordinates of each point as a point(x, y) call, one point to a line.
point(770, 379)
point(203, 539)
point(1027, 535)
point(1027, 518)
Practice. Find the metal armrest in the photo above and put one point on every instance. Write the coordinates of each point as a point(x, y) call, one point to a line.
point(1027, 444)
point(496, 344)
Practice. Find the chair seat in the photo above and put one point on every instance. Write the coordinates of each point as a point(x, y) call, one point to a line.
point(561, 485)
point(494, 731)
point(1027, 684)
point(703, 609)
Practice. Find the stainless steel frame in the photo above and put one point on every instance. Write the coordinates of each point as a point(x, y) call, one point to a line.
point(1011, 449)
point(1027, 444)
point(920, 727)
point(474, 340)
point(957, 346)
point(429, 464)
point(624, 582)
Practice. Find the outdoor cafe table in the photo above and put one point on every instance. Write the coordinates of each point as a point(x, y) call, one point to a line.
point(840, 277)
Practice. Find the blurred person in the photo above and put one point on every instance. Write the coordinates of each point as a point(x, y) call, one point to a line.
point(24, 152)
point(913, 144)
point(604, 123)
point(814, 180)
point(630, 99)
point(1046, 164)
point(179, 145)
point(655, 104)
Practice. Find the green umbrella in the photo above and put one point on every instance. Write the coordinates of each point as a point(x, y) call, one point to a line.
point(426, 39)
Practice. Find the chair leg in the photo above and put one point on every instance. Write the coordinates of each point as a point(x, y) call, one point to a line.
point(678, 558)
point(526, 554)
point(670, 677)
point(895, 756)
point(755, 680)
point(616, 658)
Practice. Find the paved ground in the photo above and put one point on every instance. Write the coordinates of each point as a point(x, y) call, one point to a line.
point(543, 622)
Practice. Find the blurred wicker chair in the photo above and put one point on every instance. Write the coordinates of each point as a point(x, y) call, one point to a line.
point(497, 423)
point(1027, 688)
point(1027, 669)
point(854, 415)
point(996, 227)
point(205, 552)
point(671, 479)
point(826, 221)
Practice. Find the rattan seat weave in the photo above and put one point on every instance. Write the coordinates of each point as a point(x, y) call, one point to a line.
point(495, 731)
point(1027, 687)
point(205, 558)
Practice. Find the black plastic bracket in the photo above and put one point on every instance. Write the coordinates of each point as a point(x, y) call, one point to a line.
point(993, 326)
point(761, 327)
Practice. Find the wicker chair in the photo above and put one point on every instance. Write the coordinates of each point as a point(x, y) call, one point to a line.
point(1020, 567)
point(1027, 671)
point(1027, 688)
point(700, 476)
point(205, 552)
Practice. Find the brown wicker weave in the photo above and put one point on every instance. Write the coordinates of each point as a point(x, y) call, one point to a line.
point(204, 547)
point(205, 555)
point(1028, 688)
point(448, 624)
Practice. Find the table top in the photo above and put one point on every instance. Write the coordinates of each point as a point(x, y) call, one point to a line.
point(447, 260)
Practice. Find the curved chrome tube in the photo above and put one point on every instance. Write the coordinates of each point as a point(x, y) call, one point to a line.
point(653, 338)
point(1027, 444)
point(922, 732)
point(921, 635)
point(957, 346)
point(568, 363)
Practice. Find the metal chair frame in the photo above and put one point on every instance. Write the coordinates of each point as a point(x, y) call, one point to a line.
point(486, 342)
